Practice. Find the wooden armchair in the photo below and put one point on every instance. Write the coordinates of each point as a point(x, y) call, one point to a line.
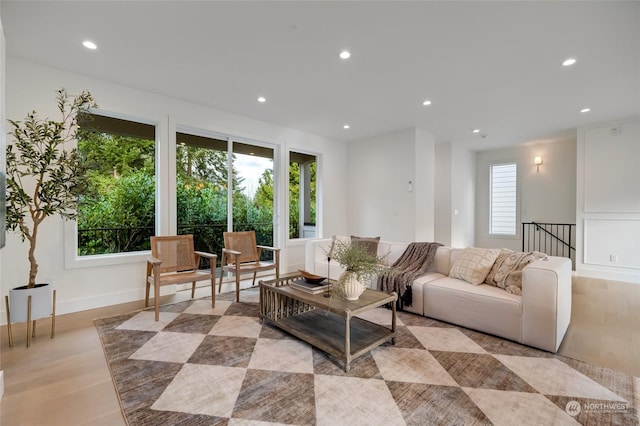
point(241, 255)
point(173, 260)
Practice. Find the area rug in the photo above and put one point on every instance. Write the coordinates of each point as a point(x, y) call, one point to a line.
point(203, 366)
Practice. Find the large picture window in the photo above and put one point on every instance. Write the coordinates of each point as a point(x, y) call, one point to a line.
point(503, 183)
point(117, 210)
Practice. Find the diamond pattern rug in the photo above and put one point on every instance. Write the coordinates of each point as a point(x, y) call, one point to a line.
point(203, 366)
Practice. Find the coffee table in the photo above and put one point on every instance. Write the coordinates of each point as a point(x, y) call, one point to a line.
point(329, 324)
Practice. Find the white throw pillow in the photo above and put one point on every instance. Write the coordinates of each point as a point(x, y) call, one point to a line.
point(473, 264)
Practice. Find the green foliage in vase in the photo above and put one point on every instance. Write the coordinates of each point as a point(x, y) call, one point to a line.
point(355, 258)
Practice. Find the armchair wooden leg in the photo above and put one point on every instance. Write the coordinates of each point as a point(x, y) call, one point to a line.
point(156, 299)
point(193, 289)
point(237, 264)
point(254, 278)
point(237, 287)
point(213, 292)
point(146, 296)
point(222, 263)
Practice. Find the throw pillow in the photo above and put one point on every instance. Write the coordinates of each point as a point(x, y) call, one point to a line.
point(474, 264)
point(368, 244)
point(341, 238)
point(490, 279)
point(508, 275)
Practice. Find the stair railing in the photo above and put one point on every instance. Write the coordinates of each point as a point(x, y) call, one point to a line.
point(554, 239)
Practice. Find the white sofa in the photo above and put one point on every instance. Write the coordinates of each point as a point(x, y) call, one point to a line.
point(539, 317)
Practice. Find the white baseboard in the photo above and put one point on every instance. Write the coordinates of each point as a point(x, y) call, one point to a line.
point(100, 301)
point(629, 277)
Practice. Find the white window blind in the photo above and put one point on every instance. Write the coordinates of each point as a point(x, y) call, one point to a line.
point(503, 199)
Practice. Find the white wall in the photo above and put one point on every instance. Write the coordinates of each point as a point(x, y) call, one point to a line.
point(455, 195)
point(424, 187)
point(545, 196)
point(608, 201)
point(443, 196)
point(32, 86)
point(2, 150)
point(388, 196)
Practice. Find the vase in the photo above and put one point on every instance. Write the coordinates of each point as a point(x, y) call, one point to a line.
point(41, 302)
point(350, 286)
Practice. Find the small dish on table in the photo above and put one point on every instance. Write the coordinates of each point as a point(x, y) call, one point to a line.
point(310, 278)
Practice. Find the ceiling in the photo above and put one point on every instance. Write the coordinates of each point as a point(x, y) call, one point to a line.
point(494, 66)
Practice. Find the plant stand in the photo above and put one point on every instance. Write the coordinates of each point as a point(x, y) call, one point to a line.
point(31, 325)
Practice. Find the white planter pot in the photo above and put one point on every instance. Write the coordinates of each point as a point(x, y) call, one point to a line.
point(41, 302)
point(350, 286)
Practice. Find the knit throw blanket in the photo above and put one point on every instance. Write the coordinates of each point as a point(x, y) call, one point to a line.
point(415, 261)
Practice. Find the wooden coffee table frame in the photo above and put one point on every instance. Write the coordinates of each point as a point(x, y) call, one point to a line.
point(329, 324)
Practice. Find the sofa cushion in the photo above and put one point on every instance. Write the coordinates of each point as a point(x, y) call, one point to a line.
point(368, 244)
point(482, 307)
point(442, 262)
point(506, 272)
point(473, 264)
point(342, 239)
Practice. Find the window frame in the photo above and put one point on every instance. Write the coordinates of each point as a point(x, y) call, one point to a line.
point(516, 210)
point(230, 139)
point(70, 233)
point(285, 185)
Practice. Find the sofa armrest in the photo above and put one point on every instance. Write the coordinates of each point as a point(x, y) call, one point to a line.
point(546, 302)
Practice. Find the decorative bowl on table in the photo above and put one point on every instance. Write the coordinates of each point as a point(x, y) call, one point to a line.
point(310, 278)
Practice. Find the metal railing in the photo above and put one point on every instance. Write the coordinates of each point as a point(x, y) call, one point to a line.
point(554, 239)
point(206, 237)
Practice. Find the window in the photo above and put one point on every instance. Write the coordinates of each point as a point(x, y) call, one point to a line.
point(209, 187)
point(503, 199)
point(117, 210)
point(201, 189)
point(302, 195)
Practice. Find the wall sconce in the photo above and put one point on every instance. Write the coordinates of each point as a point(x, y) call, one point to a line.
point(537, 161)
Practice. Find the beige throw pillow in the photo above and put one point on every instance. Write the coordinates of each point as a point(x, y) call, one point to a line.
point(474, 264)
point(507, 270)
point(490, 279)
point(368, 244)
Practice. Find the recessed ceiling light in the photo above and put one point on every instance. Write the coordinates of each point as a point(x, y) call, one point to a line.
point(426, 103)
point(585, 110)
point(476, 130)
point(346, 126)
point(569, 62)
point(262, 99)
point(345, 54)
point(89, 45)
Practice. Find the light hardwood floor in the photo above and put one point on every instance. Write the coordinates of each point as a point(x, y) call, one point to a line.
point(66, 381)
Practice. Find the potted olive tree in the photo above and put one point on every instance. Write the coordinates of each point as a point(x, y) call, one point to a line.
point(44, 178)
